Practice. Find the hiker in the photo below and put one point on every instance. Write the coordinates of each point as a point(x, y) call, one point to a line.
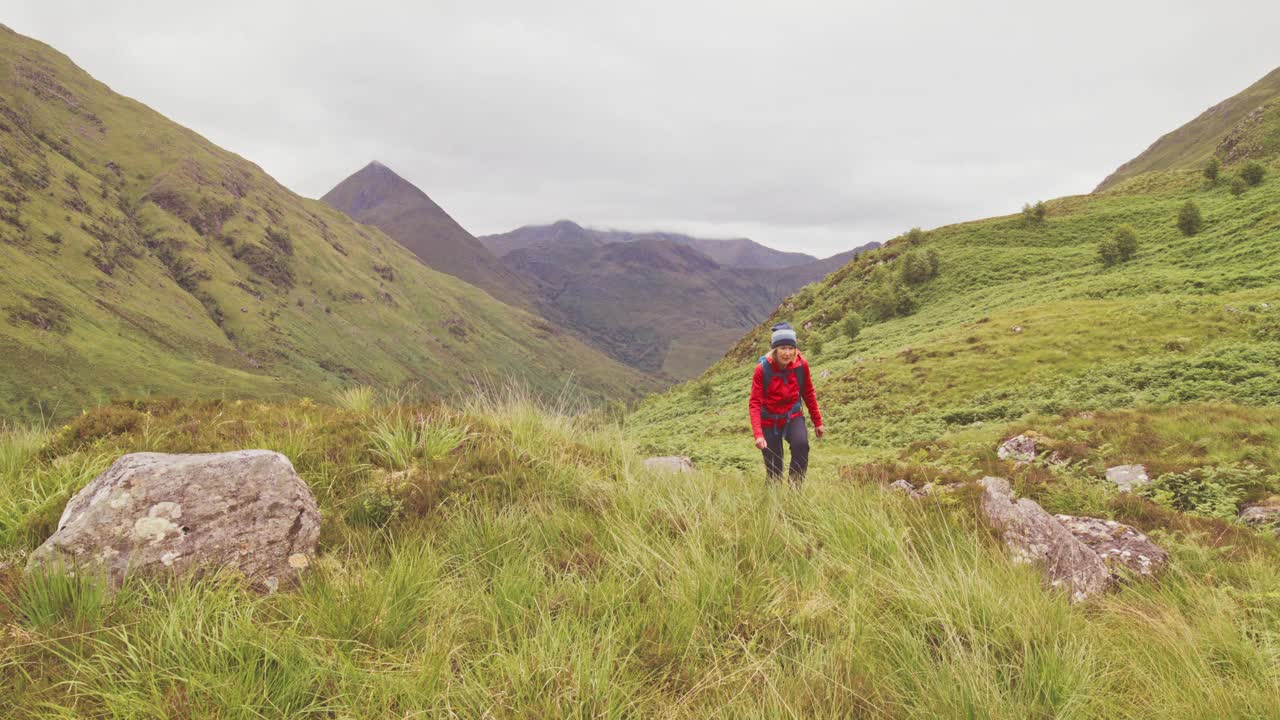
point(780, 384)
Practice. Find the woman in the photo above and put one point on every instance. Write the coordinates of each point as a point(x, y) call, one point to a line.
point(781, 382)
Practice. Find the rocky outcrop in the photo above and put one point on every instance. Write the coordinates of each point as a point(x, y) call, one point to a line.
point(1121, 547)
point(1034, 536)
point(669, 464)
point(1128, 477)
point(163, 515)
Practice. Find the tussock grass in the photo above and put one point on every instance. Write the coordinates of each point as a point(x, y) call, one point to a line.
point(552, 576)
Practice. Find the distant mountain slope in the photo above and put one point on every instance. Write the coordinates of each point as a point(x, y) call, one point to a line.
point(1193, 143)
point(653, 304)
point(376, 195)
point(736, 252)
point(141, 258)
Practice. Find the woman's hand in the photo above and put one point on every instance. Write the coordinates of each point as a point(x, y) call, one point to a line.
point(761, 444)
point(819, 431)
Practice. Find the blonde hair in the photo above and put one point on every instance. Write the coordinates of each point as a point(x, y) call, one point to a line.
point(772, 356)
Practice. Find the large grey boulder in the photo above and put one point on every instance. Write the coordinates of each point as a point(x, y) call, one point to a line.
point(1119, 545)
point(1127, 477)
point(161, 515)
point(669, 463)
point(1034, 536)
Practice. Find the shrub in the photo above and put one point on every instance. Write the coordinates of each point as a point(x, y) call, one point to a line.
point(1238, 186)
point(1253, 172)
point(916, 267)
point(851, 326)
point(815, 346)
point(703, 391)
point(1211, 170)
point(1109, 251)
point(1213, 492)
point(1126, 239)
point(1189, 219)
point(890, 298)
point(1035, 214)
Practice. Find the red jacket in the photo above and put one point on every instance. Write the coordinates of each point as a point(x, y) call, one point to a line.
point(781, 395)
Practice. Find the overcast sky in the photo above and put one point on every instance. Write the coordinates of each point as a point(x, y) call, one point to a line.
point(813, 126)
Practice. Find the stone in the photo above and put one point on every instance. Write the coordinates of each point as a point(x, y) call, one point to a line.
point(1127, 477)
point(161, 515)
point(903, 486)
point(669, 464)
point(1263, 515)
point(1020, 448)
point(1119, 545)
point(1032, 535)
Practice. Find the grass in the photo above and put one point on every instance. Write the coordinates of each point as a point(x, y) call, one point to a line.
point(554, 577)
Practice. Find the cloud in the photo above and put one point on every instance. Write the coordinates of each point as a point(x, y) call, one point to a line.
point(813, 126)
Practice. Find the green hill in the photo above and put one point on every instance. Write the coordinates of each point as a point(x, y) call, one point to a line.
point(1218, 130)
point(1021, 319)
point(140, 258)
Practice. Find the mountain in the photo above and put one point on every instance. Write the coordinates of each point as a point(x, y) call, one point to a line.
point(1244, 125)
point(142, 259)
point(737, 252)
point(375, 195)
point(653, 304)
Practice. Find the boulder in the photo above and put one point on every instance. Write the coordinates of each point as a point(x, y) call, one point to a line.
point(1119, 545)
point(1127, 477)
point(1034, 536)
point(1020, 448)
point(669, 463)
point(163, 515)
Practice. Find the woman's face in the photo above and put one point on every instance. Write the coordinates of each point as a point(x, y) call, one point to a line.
point(785, 354)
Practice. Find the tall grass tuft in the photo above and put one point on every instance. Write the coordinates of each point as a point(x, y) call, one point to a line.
point(399, 441)
point(361, 398)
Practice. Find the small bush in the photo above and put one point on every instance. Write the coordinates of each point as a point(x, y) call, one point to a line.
point(1212, 492)
point(702, 391)
point(1035, 214)
point(1253, 172)
point(815, 346)
point(398, 442)
point(1211, 170)
point(1189, 219)
point(1126, 239)
point(1109, 251)
point(1238, 186)
point(916, 267)
point(851, 326)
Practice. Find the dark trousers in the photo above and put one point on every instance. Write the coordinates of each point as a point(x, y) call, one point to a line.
point(797, 436)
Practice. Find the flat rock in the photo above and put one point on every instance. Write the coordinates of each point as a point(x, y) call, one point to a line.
point(1119, 545)
point(1127, 477)
point(669, 463)
point(1032, 535)
point(163, 515)
point(1019, 448)
point(905, 487)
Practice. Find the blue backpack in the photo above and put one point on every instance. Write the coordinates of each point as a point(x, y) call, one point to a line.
point(766, 369)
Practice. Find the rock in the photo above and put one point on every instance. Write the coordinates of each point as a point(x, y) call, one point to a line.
point(1016, 329)
point(905, 487)
point(162, 515)
point(1020, 448)
point(1127, 477)
point(1119, 545)
point(1263, 515)
point(824, 374)
point(670, 464)
point(1034, 536)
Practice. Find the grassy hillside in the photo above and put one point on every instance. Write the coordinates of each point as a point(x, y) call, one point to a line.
point(140, 258)
point(1192, 144)
point(1021, 318)
point(529, 567)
